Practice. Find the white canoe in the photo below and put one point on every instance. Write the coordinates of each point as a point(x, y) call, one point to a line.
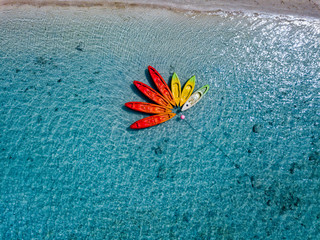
point(195, 97)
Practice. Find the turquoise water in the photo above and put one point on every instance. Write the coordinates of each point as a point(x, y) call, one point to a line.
point(245, 165)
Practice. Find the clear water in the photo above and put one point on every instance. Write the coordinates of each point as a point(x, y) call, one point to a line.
point(244, 164)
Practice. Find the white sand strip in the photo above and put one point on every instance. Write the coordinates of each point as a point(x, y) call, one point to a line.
point(307, 8)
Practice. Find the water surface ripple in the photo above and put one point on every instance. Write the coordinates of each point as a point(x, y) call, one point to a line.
point(71, 168)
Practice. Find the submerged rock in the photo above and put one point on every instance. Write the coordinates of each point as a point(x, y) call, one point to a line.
point(256, 128)
point(80, 47)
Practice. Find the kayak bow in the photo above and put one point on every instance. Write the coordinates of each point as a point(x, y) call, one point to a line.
point(152, 94)
point(187, 90)
point(152, 120)
point(176, 88)
point(161, 85)
point(147, 107)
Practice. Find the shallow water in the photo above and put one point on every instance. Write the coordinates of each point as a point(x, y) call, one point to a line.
point(245, 165)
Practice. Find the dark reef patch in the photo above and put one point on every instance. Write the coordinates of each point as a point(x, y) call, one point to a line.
point(281, 197)
point(28, 88)
point(42, 61)
point(164, 172)
point(252, 180)
point(39, 119)
point(314, 157)
point(288, 201)
point(292, 167)
point(257, 128)
point(157, 150)
point(80, 47)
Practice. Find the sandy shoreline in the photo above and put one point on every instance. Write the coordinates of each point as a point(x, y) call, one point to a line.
point(303, 8)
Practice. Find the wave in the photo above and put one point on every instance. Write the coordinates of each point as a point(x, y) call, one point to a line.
point(308, 8)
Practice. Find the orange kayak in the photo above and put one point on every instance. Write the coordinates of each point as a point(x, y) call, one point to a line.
point(161, 85)
point(152, 94)
point(147, 107)
point(152, 120)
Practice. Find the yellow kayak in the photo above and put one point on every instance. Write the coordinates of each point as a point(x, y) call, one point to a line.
point(176, 88)
point(187, 90)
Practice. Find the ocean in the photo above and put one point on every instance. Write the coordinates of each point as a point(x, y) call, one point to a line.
point(244, 164)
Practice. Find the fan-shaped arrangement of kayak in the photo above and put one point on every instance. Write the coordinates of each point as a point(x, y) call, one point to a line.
point(165, 99)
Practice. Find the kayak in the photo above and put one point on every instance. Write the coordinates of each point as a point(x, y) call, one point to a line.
point(187, 90)
point(176, 88)
point(152, 94)
point(195, 97)
point(152, 120)
point(147, 107)
point(161, 85)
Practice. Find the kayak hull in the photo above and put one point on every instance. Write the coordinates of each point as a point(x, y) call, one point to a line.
point(152, 94)
point(176, 88)
point(152, 120)
point(195, 97)
point(161, 85)
point(187, 90)
point(147, 107)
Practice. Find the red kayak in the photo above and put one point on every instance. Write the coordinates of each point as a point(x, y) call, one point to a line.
point(147, 107)
point(152, 94)
point(152, 120)
point(161, 85)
